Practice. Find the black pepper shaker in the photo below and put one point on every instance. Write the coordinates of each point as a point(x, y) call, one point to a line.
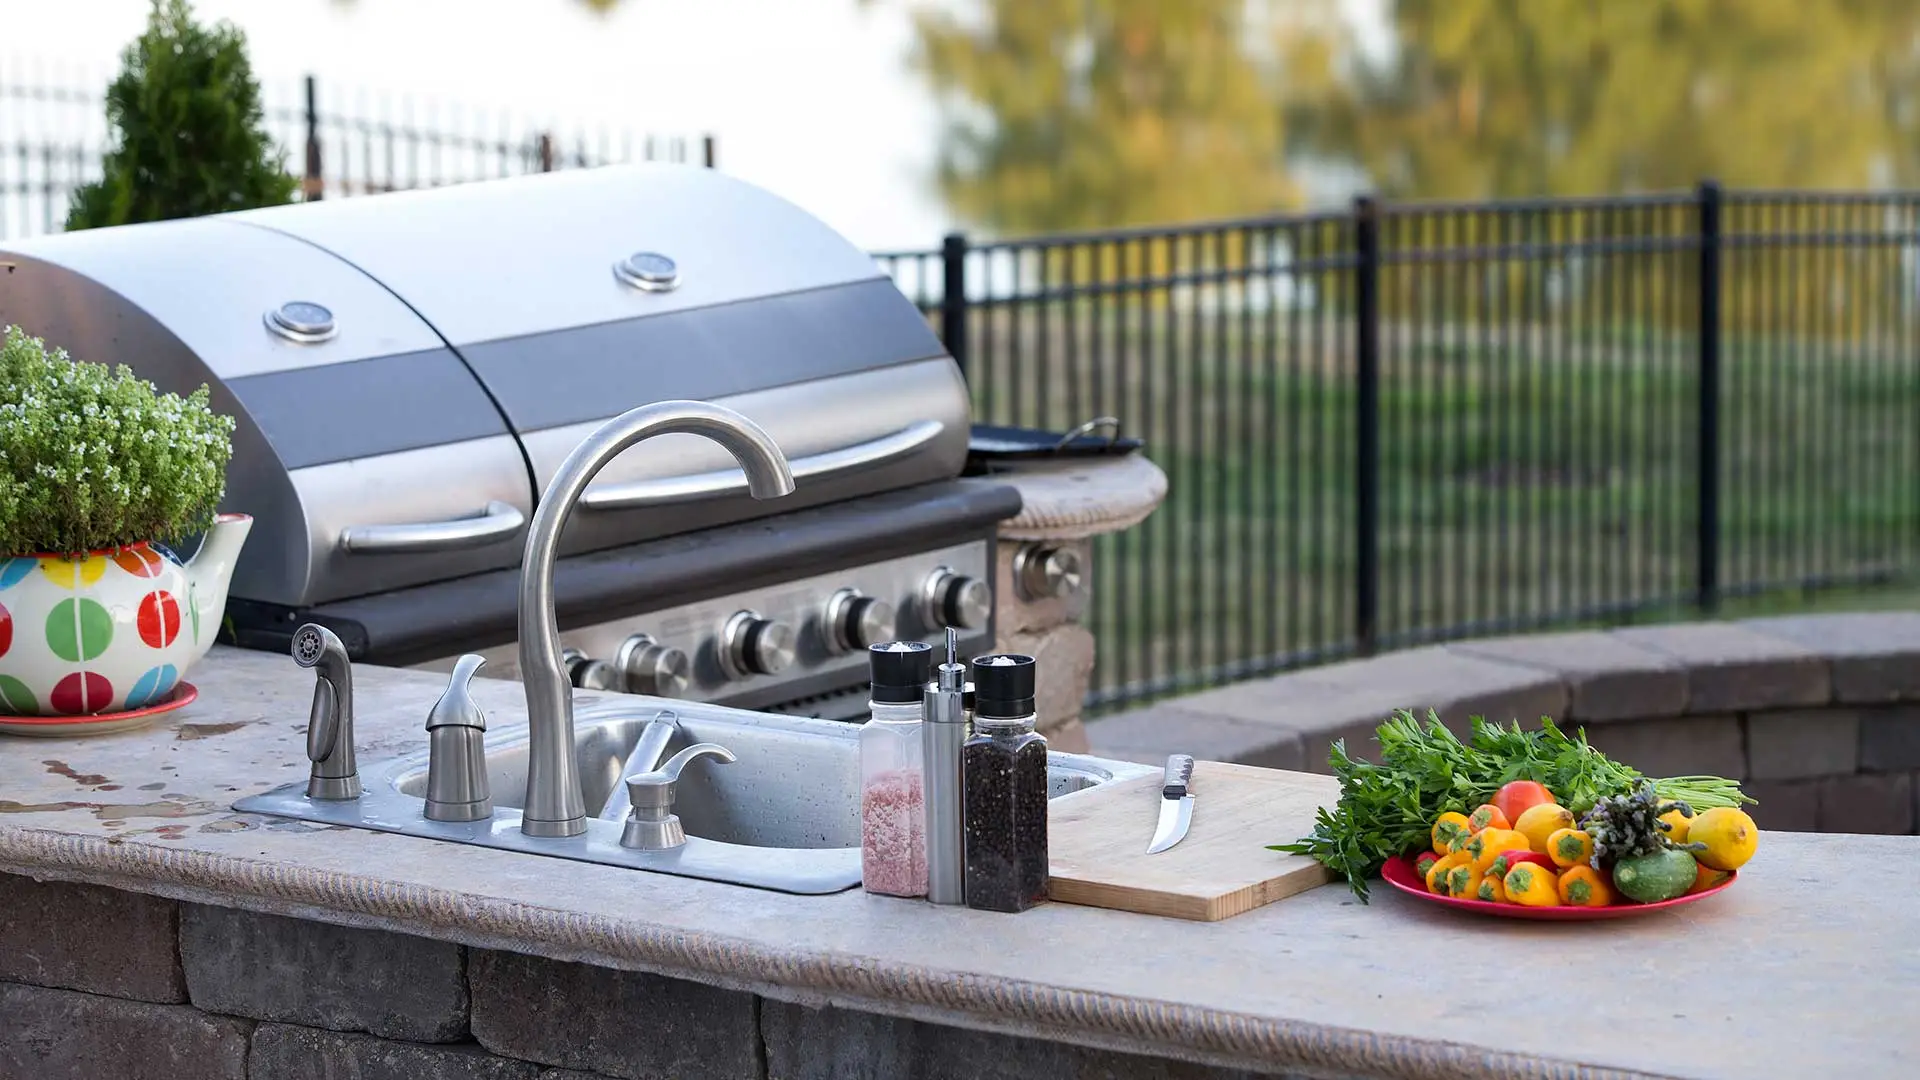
point(1004, 779)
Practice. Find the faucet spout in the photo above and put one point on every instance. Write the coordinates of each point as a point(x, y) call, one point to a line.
point(555, 804)
point(330, 727)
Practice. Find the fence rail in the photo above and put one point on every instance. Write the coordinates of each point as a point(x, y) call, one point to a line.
point(339, 144)
point(1401, 424)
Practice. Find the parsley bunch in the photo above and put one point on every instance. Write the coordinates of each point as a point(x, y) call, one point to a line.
point(93, 458)
point(1388, 809)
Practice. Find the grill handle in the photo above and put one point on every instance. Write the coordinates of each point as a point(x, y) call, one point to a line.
point(499, 521)
point(700, 487)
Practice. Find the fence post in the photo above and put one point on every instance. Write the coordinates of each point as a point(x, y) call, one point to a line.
point(1366, 313)
point(311, 186)
point(953, 297)
point(1707, 537)
point(546, 151)
point(707, 150)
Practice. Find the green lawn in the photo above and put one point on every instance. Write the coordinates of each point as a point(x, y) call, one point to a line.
point(1526, 477)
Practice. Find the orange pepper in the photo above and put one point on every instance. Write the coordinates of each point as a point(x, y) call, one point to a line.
point(1706, 878)
point(1488, 816)
point(1583, 886)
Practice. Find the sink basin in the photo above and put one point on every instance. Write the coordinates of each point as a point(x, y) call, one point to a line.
point(784, 815)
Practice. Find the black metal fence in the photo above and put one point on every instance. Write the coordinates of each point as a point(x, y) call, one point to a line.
point(1407, 423)
point(52, 134)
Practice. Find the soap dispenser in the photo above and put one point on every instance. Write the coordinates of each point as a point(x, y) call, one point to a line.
point(456, 761)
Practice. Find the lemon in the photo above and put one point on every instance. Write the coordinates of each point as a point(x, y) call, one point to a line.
point(1541, 822)
point(1730, 837)
point(1680, 823)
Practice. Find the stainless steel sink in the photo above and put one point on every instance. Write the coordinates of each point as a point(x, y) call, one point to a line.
point(784, 815)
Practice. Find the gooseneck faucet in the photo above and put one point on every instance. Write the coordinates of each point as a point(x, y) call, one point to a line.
point(330, 725)
point(555, 804)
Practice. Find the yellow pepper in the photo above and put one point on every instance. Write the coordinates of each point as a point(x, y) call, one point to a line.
point(1570, 847)
point(1446, 828)
point(1533, 885)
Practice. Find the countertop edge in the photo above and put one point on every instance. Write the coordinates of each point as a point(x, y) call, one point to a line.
point(1016, 1007)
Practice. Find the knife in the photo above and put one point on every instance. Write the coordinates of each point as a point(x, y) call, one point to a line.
point(1176, 804)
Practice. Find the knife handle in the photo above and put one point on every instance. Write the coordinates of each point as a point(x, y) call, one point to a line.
point(1179, 774)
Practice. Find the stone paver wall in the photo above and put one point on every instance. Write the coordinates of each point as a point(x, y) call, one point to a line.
point(98, 983)
point(1817, 716)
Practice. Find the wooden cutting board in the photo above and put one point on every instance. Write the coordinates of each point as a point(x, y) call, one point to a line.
point(1097, 843)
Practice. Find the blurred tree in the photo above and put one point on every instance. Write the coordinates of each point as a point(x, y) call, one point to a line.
point(598, 7)
point(1552, 97)
point(1063, 114)
point(185, 112)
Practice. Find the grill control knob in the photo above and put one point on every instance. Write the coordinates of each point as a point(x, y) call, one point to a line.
point(587, 673)
point(855, 620)
point(954, 599)
point(649, 667)
point(1044, 572)
point(751, 645)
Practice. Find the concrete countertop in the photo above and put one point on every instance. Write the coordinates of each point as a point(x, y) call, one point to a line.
point(1811, 962)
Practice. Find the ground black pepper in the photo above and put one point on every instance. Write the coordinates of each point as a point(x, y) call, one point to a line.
point(1004, 776)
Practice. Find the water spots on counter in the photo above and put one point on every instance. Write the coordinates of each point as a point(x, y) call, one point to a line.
point(191, 732)
point(8, 806)
point(290, 825)
point(173, 806)
point(229, 824)
point(61, 768)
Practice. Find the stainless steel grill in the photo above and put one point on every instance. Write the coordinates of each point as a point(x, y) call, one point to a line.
point(409, 370)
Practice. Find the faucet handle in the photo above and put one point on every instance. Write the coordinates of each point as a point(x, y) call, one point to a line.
point(455, 707)
point(654, 790)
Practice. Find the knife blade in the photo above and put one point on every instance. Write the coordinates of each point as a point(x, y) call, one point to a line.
point(1176, 804)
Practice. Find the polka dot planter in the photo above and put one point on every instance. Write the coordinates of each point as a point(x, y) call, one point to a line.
point(113, 630)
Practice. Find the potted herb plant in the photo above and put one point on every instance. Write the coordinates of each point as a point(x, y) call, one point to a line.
point(97, 468)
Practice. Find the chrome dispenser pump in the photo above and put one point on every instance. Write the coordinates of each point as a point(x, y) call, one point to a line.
point(943, 730)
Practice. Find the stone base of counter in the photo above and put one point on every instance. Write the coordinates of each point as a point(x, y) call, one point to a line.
point(1817, 716)
point(95, 982)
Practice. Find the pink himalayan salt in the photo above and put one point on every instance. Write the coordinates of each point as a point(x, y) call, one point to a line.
point(893, 834)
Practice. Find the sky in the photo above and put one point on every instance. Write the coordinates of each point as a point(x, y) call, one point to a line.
point(810, 99)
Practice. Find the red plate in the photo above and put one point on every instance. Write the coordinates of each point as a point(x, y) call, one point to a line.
point(65, 727)
point(1400, 874)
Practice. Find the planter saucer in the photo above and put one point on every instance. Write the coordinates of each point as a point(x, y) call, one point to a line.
point(67, 727)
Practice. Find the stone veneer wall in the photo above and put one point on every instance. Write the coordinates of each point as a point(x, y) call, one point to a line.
point(1817, 716)
point(98, 983)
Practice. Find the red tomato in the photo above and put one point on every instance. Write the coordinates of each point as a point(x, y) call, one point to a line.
point(1516, 798)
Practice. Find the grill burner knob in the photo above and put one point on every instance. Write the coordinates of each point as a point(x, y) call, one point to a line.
point(589, 674)
point(855, 620)
point(1045, 573)
point(956, 600)
point(652, 668)
point(751, 645)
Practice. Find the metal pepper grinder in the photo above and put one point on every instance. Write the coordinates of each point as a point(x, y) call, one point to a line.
point(943, 729)
point(456, 760)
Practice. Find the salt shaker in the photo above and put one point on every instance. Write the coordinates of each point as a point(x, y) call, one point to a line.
point(893, 817)
point(1004, 777)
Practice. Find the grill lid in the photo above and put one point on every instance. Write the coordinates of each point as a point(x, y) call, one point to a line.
point(410, 369)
